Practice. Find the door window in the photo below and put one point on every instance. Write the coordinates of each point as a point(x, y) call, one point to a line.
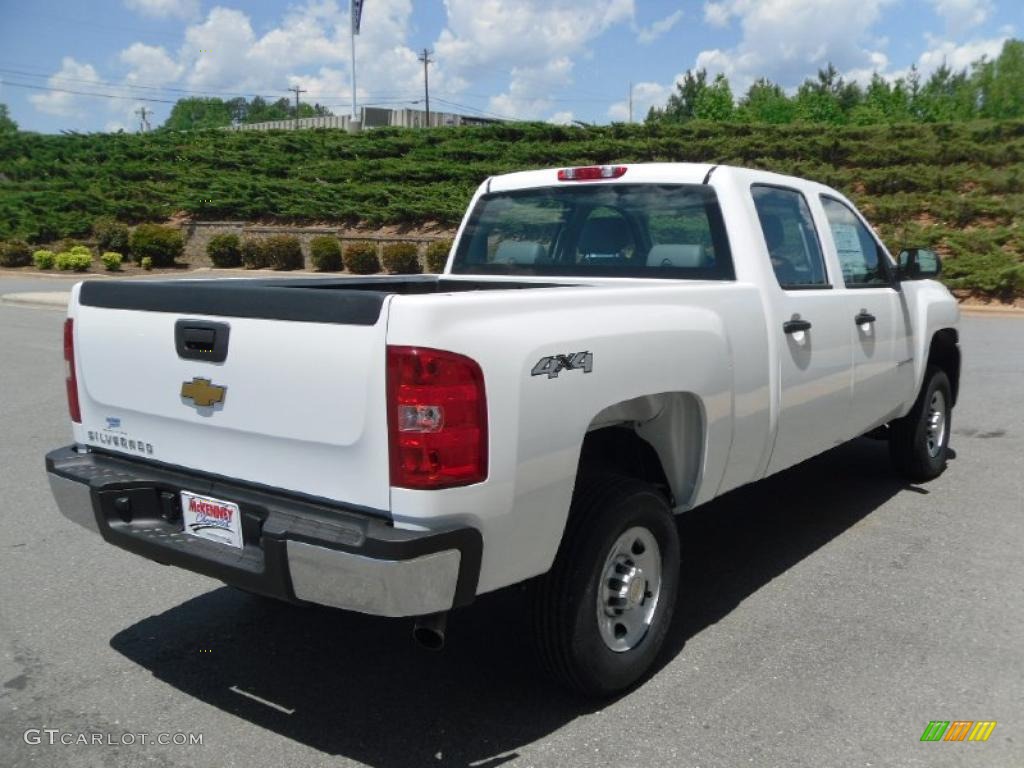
point(861, 257)
point(791, 238)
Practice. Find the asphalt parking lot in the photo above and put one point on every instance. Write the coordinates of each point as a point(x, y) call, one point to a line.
point(827, 615)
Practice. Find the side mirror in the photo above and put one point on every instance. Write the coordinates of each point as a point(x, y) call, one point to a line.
point(919, 264)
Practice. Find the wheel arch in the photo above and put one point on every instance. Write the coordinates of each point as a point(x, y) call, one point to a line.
point(659, 439)
point(944, 353)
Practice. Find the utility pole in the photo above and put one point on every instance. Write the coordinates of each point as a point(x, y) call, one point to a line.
point(143, 122)
point(631, 101)
point(425, 58)
point(297, 91)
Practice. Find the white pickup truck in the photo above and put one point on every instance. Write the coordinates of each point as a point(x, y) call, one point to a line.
point(607, 347)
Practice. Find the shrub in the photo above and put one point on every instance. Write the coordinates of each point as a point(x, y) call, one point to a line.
point(146, 262)
point(361, 258)
point(437, 255)
point(112, 261)
point(15, 253)
point(284, 252)
point(43, 259)
point(81, 250)
point(69, 260)
point(400, 259)
point(68, 245)
point(110, 234)
point(162, 245)
point(225, 251)
point(254, 253)
point(325, 254)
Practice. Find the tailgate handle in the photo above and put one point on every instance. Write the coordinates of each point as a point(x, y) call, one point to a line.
point(202, 340)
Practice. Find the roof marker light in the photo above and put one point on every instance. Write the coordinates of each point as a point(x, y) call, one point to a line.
point(591, 172)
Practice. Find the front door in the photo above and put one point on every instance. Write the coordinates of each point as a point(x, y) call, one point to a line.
point(813, 336)
point(883, 375)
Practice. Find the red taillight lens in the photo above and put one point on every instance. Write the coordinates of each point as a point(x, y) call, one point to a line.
point(591, 172)
point(437, 419)
point(70, 378)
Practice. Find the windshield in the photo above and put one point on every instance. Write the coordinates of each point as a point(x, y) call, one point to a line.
point(599, 230)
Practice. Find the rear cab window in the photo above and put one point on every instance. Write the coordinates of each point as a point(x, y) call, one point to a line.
point(790, 237)
point(600, 230)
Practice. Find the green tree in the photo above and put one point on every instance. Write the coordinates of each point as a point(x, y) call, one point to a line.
point(683, 103)
point(883, 102)
point(715, 102)
point(829, 99)
point(947, 96)
point(7, 125)
point(766, 102)
point(1000, 83)
point(198, 113)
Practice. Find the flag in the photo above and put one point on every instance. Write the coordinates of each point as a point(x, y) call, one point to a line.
point(357, 14)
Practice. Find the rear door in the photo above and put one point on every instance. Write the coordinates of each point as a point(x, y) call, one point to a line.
point(813, 337)
point(878, 325)
point(295, 404)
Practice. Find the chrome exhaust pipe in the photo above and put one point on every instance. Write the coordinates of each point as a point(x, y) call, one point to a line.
point(428, 630)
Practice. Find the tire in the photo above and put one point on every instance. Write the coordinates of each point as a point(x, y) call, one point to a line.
point(918, 444)
point(613, 524)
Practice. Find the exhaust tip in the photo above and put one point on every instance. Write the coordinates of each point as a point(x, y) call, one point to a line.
point(429, 631)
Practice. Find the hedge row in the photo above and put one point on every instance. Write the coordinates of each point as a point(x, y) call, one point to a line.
point(326, 254)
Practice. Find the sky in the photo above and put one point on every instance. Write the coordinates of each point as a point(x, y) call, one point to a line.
point(91, 65)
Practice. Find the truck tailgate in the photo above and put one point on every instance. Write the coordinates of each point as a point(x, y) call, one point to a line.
point(301, 391)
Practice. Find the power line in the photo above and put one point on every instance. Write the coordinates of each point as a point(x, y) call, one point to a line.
point(425, 58)
point(85, 93)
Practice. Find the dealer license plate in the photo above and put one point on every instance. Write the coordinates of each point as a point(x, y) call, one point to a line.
point(212, 519)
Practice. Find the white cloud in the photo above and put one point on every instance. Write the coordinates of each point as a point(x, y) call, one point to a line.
point(647, 35)
point(963, 14)
point(718, 14)
point(786, 40)
point(536, 41)
point(309, 48)
point(645, 96)
point(73, 76)
point(149, 65)
point(561, 118)
point(162, 9)
point(957, 57)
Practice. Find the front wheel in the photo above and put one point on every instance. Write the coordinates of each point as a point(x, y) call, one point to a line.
point(919, 442)
point(601, 614)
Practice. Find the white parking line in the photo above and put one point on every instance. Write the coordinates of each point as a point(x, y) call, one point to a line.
point(254, 697)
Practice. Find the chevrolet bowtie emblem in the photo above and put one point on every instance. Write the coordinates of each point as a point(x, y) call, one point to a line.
point(202, 392)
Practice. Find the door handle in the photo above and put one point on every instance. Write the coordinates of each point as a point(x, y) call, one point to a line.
point(795, 326)
point(864, 317)
point(202, 340)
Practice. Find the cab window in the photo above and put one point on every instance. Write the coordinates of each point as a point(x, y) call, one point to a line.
point(790, 236)
point(861, 258)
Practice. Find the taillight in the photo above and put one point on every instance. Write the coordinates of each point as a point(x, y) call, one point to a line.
point(437, 419)
point(591, 172)
point(71, 380)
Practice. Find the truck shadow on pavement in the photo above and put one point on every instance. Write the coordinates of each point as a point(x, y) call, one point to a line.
point(358, 687)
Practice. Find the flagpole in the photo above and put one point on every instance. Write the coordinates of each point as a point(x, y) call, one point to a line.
point(352, 29)
point(355, 14)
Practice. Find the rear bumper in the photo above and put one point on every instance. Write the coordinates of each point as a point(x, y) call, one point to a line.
point(294, 549)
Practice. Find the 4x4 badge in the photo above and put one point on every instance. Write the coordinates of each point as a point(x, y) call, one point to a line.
point(555, 364)
point(202, 392)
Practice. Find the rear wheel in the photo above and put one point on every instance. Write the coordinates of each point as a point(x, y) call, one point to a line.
point(919, 442)
point(601, 614)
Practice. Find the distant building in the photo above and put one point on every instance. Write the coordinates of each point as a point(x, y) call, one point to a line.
point(371, 117)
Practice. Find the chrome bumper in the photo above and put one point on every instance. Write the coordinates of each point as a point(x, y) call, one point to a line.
point(293, 552)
